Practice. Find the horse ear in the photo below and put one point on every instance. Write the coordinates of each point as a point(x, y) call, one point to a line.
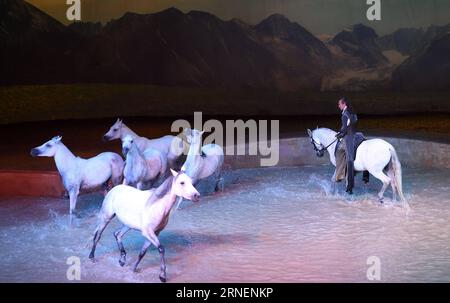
point(174, 173)
point(309, 132)
point(57, 138)
point(187, 131)
point(119, 121)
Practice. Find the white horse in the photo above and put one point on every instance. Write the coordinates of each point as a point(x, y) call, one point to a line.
point(372, 155)
point(170, 146)
point(146, 211)
point(78, 173)
point(202, 161)
point(142, 168)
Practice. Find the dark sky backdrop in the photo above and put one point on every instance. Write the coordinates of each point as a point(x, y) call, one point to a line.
point(319, 16)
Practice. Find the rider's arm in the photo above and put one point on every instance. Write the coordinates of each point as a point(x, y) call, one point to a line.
point(345, 123)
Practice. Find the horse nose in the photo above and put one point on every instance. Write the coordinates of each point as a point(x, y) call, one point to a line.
point(196, 197)
point(105, 138)
point(34, 152)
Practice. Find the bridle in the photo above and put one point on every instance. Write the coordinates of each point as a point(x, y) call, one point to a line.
point(320, 152)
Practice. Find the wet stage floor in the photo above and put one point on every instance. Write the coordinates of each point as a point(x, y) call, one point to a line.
point(269, 225)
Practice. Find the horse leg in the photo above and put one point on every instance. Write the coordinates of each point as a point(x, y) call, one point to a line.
point(141, 254)
point(73, 195)
point(98, 233)
point(162, 275)
point(333, 183)
point(385, 179)
point(153, 238)
point(118, 235)
point(65, 195)
point(219, 182)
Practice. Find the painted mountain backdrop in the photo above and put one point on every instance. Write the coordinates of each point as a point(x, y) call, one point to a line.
point(198, 49)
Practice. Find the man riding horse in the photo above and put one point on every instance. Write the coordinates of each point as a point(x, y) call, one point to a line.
point(347, 132)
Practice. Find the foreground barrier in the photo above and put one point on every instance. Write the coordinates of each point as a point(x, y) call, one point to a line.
point(30, 183)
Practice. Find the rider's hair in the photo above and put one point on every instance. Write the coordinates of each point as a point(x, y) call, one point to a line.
point(348, 104)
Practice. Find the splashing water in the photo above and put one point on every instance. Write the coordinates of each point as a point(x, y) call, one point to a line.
point(269, 225)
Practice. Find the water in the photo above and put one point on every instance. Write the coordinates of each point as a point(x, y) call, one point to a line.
point(269, 225)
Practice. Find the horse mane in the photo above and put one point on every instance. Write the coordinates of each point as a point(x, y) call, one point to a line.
point(328, 130)
point(164, 188)
point(161, 190)
point(132, 133)
point(325, 132)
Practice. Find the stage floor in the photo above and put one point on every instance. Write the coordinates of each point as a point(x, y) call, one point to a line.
point(269, 225)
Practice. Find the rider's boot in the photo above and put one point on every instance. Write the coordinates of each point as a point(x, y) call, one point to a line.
point(350, 177)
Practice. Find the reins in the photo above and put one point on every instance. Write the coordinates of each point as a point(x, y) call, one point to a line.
point(314, 143)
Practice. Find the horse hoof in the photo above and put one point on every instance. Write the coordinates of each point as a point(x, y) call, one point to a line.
point(93, 260)
point(137, 270)
point(121, 263)
point(163, 279)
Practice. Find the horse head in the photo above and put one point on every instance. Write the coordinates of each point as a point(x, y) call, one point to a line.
point(114, 132)
point(182, 186)
point(127, 142)
point(193, 136)
point(48, 149)
point(315, 141)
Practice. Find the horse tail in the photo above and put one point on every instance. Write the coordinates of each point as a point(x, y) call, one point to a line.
point(117, 167)
point(397, 169)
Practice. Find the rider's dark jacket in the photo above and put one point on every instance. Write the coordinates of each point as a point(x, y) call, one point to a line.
point(348, 123)
point(348, 131)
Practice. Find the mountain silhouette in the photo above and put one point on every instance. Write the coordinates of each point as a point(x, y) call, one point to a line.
point(411, 41)
point(429, 70)
point(198, 49)
point(164, 48)
point(34, 47)
point(360, 42)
